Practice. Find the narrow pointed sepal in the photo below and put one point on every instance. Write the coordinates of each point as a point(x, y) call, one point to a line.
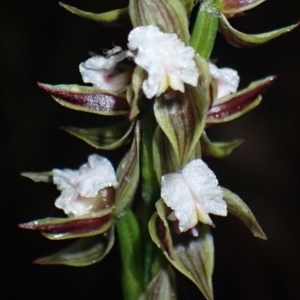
point(39, 176)
point(128, 174)
point(168, 15)
point(237, 6)
point(190, 255)
point(239, 209)
point(68, 228)
point(88, 99)
point(104, 138)
point(217, 149)
point(134, 91)
point(113, 17)
point(84, 252)
point(233, 106)
point(240, 39)
point(182, 119)
point(162, 286)
point(205, 29)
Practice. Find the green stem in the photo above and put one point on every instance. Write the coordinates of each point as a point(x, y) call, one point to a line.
point(131, 254)
point(150, 186)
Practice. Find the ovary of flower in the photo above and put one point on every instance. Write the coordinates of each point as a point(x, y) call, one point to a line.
point(99, 70)
point(193, 194)
point(79, 188)
point(168, 62)
point(227, 80)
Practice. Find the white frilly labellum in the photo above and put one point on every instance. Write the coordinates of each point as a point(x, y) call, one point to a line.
point(227, 80)
point(99, 71)
point(79, 188)
point(168, 62)
point(193, 194)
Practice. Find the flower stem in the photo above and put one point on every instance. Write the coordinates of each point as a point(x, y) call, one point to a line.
point(150, 186)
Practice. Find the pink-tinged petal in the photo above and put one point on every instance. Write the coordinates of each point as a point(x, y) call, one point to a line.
point(88, 99)
point(231, 107)
point(236, 6)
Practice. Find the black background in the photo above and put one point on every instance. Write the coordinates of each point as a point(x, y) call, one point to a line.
point(42, 42)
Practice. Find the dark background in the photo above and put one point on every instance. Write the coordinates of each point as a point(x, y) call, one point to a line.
point(42, 42)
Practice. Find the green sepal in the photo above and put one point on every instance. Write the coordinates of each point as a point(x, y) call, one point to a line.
point(168, 15)
point(129, 239)
point(134, 91)
point(205, 29)
point(84, 252)
point(235, 105)
point(104, 138)
point(192, 256)
point(162, 286)
point(116, 16)
point(239, 39)
point(237, 207)
point(39, 176)
point(164, 158)
point(182, 119)
point(128, 174)
point(69, 228)
point(237, 6)
point(88, 99)
point(217, 149)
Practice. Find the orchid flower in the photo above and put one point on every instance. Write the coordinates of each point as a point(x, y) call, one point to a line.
point(227, 80)
point(193, 194)
point(168, 62)
point(80, 188)
point(100, 71)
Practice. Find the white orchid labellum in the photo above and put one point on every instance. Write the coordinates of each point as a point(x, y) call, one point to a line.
point(79, 188)
point(193, 194)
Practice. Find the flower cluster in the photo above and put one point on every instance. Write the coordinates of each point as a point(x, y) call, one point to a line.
point(163, 106)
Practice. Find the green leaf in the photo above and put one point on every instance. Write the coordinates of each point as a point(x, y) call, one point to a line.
point(218, 149)
point(39, 177)
point(84, 252)
point(128, 174)
point(192, 256)
point(233, 106)
point(182, 119)
point(239, 39)
point(239, 209)
point(117, 16)
point(130, 247)
point(88, 99)
point(168, 15)
point(69, 228)
point(104, 138)
point(237, 6)
point(162, 286)
point(205, 29)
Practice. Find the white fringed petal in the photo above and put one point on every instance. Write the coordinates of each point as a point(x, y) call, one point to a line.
point(227, 80)
point(168, 62)
point(193, 194)
point(79, 188)
point(98, 70)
